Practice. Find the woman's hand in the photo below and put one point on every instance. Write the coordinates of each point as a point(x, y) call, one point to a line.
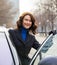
point(52, 32)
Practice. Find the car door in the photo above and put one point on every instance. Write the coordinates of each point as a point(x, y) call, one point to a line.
point(8, 54)
point(51, 52)
point(5, 53)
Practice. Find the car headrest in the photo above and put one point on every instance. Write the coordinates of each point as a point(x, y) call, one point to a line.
point(48, 61)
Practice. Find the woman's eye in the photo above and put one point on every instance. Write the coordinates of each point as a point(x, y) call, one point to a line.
point(27, 20)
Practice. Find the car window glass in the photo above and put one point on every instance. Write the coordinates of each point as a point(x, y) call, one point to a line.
point(5, 54)
point(52, 51)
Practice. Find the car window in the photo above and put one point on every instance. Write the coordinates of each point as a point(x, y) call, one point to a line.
point(52, 51)
point(5, 54)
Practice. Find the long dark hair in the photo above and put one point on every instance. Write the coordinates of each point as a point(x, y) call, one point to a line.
point(20, 21)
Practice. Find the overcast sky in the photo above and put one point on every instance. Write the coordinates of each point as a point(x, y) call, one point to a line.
point(25, 5)
point(28, 5)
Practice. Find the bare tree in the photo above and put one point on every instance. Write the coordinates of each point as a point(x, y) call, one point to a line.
point(8, 12)
point(48, 12)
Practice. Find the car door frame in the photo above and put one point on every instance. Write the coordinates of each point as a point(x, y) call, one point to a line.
point(12, 49)
point(39, 50)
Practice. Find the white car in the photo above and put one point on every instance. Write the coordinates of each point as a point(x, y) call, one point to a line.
point(8, 53)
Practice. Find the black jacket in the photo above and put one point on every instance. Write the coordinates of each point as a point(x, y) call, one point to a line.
point(23, 47)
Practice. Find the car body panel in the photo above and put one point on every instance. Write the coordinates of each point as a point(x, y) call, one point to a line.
point(5, 55)
point(8, 54)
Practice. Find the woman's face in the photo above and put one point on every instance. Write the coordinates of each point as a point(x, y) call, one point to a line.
point(27, 23)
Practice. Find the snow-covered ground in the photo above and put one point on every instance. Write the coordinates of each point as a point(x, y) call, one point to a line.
point(40, 37)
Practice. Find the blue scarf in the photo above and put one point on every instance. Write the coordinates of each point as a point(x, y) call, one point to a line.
point(24, 33)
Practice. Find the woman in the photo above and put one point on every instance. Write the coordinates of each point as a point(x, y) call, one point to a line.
point(22, 38)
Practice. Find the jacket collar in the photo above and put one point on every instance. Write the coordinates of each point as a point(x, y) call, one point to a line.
point(18, 34)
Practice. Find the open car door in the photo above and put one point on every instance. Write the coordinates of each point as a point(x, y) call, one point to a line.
point(35, 59)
